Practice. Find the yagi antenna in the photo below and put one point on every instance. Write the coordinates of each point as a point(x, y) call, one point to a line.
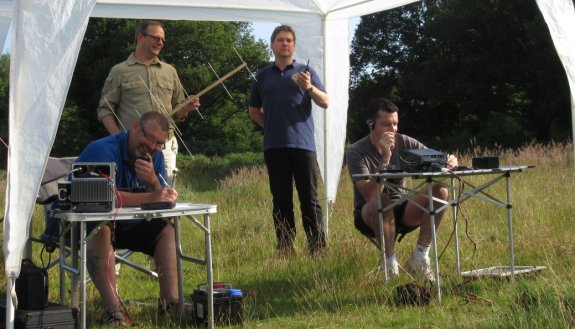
point(114, 113)
point(188, 96)
point(3, 142)
point(208, 88)
point(223, 85)
point(241, 59)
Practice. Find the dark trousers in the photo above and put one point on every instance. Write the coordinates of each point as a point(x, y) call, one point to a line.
point(284, 167)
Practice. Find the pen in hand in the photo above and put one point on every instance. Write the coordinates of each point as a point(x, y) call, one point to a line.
point(164, 181)
point(307, 66)
point(175, 173)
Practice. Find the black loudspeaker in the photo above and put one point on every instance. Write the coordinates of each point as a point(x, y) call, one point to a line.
point(51, 317)
point(32, 287)
point(485, 162)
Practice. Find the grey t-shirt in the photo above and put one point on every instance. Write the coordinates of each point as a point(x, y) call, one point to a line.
point(362, 157)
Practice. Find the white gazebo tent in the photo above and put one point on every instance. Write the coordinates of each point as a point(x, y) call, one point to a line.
point(46, 38)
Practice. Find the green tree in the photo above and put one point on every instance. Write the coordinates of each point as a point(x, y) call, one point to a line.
point(190, 46)
point(465, 70)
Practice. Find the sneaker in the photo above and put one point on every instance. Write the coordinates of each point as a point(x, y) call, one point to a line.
point(420, 267)
point(392, 270)
point(114, 318)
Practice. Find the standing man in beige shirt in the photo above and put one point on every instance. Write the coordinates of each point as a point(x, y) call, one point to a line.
point(141, 84)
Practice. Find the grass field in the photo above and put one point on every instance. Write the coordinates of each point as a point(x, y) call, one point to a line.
point(340, 290)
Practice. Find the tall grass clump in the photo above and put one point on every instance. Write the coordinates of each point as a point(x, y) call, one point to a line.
point(343, 289)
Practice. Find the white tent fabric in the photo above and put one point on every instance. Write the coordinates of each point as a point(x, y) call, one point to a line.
point(560, 18)
point(46, 37)
point(5, 21)
point(46, 40)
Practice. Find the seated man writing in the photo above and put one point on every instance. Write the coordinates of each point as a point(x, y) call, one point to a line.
point(140, 177)
point(382, 147)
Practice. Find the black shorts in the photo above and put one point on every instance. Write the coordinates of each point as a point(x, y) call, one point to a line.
point(398, 212)
point(142, 237)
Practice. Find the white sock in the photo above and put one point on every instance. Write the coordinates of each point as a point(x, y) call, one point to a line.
point(390, 260)
point(421, 251)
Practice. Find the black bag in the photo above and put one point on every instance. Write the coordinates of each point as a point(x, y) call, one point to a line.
point(413, 294)
point(32, 287)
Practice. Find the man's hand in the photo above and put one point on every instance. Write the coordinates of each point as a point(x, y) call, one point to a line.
point(165, 195)
point(303, 80)
point(110, 124)
point(451, 162)
point(144, 168)
point(194, 105)
point(387, 143)
point(257, 114)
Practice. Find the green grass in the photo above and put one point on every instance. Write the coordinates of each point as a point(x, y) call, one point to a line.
point(340, 290)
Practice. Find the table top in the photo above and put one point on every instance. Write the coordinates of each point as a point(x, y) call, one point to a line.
point(459, 172)
point(128, 213)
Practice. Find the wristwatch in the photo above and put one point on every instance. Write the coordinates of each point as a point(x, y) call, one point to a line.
point(309, 90)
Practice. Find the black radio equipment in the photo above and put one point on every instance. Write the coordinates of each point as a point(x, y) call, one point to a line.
point(424, 159)
point(93, 186)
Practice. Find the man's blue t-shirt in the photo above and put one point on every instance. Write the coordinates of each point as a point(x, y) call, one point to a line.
point(288, 120)
point(114, 148)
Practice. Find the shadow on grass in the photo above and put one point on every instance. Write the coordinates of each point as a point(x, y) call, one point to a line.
point(310, 286)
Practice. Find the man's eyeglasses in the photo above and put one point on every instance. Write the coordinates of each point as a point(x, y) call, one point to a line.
point(157, 39)
point(159, 146)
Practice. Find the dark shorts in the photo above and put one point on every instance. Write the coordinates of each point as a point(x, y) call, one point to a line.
point(141, 237)
point(398, 212)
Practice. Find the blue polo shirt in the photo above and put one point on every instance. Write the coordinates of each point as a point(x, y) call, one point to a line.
point(114, 148)
point(287, 108)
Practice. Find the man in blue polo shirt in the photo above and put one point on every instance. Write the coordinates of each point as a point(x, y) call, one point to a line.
point(140, 173)
point(280, 102)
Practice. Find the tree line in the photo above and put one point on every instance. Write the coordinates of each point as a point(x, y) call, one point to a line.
point(463, 73)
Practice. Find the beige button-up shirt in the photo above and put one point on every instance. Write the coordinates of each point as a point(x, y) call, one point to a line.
point(133, 89)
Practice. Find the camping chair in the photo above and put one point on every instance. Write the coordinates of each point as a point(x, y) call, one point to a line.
point(58, 169)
